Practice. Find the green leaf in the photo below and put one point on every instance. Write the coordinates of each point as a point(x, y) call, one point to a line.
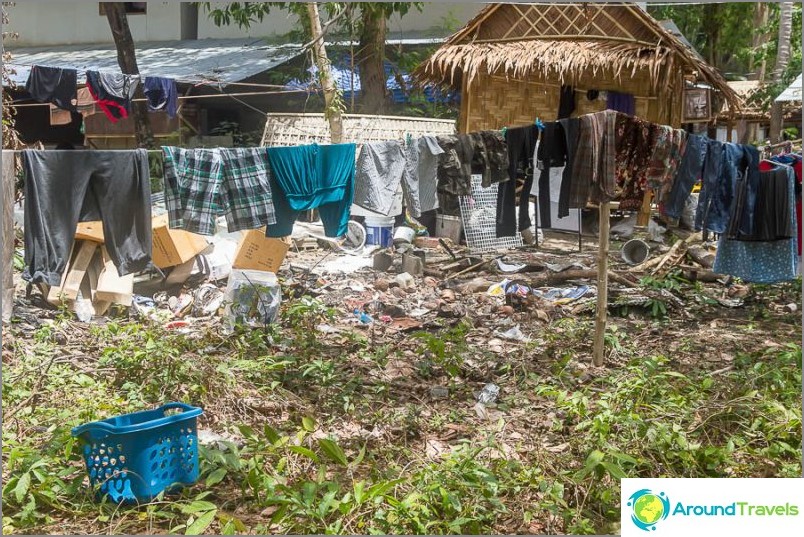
point(246, 431)
point(197, 506)
point(201, 523)
point(308, 424)
point(271, 434)
point(304, 451)
point(614, 470)
point(333, 451)
point(216, 477)
point(361, 454)
point(22, 487)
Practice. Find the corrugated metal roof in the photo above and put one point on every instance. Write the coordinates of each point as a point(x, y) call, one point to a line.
point(224, 60)
point(792, 93)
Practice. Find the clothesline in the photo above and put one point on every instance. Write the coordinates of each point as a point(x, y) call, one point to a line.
point(182, 98)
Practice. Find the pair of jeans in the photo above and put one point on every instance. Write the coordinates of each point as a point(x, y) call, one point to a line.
point(689, 170)
point(711, 214)
point(63, 187)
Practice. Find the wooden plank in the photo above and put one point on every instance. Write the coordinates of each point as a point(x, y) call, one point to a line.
point(7, 232)
point(86, 249)
point(94, 271)
point(54, 293)
point(180, 273)
point(111, 287)
point(90, 231)
point(644, 213)
point(602, 285)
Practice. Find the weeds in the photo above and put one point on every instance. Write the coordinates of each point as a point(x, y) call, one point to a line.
point(322, 442)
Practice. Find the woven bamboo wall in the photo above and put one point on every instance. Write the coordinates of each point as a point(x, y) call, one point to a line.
point(496, 101)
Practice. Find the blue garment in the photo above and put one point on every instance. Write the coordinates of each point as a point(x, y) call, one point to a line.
point(742, 223)
point(719, 186)
point(761, 262)
point(621, 102)
point(161, 94)
point(312, 177)
point(689, 171)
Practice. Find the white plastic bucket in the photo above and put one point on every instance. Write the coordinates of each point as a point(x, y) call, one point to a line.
point(379, 230)
point(404, 235)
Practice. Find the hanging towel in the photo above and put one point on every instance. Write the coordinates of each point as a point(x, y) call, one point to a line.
point(378, 175)
point(312, 177)
point(421, 181)
point(202, 184)
point(53, 85)
point(161, 95)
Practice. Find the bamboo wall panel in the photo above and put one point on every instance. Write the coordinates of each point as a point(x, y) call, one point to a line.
point(496, 101)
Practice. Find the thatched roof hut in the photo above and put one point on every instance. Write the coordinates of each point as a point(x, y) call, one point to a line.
point(512, 59)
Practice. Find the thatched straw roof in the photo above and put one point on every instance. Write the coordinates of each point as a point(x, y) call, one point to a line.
point(569, 42)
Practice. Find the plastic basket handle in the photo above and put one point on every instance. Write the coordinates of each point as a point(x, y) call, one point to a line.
point(188, 411)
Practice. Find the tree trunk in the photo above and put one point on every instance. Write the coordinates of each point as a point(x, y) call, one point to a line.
point(782, 59)
point(333, 102)
point(712, 29)
point(758, 40)
point(371, 58)
point(127, 59)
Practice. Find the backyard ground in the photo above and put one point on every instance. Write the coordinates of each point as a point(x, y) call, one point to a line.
point(321, 424)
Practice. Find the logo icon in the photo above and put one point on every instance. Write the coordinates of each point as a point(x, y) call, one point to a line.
point(648, 508)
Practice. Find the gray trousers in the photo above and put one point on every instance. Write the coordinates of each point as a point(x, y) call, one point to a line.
point(63, 187)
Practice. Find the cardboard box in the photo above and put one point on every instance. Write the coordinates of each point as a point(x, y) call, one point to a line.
point(174, 246)
point(258, 252)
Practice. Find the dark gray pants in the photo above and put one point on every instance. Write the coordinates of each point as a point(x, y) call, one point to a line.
point(63, 187)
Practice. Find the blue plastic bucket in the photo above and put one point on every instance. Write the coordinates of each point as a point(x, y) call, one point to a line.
point(134, 457)
point(379, 231)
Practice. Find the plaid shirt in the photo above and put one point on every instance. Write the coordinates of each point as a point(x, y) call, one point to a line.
point(201, 184)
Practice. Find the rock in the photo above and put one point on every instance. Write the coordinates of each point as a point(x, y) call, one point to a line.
point(405, 281)
point(448, 295)
point(791, 308)
point(383, 261)
point(381, 285)
point(412, 265)
point(430, 281)
point(430, 305)
point(398, 292)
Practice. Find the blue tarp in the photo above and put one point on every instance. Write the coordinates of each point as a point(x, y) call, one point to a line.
point(347, 83)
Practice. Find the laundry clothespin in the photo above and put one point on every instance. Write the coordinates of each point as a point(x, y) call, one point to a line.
point(539, 124)
point(408, 139)
point(504, 130)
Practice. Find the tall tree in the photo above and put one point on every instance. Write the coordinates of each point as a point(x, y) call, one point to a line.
point(127, 59)
point(10, 136)
point(756, 66)
point(333, 102)
point(782, 60)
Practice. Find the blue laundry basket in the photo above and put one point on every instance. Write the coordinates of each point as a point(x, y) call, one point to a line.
point(134, 457)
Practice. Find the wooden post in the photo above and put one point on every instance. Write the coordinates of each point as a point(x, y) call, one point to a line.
point(602, 284)
point(7, 234)
point(643, 218)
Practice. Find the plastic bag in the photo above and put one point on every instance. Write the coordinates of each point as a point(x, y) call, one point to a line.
point(252, 298)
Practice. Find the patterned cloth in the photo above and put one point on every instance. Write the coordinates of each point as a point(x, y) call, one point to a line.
point(668, 150)
point(634, 149)
point(202, 184)
point(594, 161)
